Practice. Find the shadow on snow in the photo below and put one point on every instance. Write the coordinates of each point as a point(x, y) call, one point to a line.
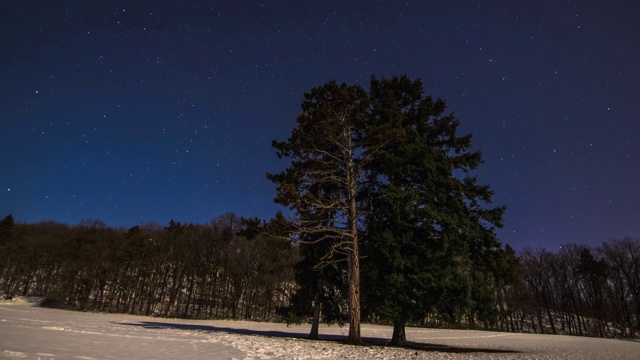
point(368, 341)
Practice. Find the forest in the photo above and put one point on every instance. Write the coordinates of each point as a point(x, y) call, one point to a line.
point(386, 223)
point(228, 269)
point(224, 269)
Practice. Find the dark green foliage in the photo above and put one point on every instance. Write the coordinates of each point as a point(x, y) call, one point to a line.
point(428, 231)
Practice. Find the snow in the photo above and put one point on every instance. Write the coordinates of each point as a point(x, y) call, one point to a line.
point(31, 332)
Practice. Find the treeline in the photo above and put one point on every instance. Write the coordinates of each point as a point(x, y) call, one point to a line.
point(225, 269)
point(230, 268)
point(578, 290)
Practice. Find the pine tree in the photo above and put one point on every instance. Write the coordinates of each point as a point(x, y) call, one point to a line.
point(322, 182)
point(426, 218)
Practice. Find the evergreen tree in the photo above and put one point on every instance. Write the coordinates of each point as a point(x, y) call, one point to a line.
point(427, 226)
point(323, 179)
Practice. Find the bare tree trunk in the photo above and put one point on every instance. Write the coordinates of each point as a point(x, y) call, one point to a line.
point(399, 337)
point(315, 323)
point(354, 253)
point(354, 297)
point(550, 317)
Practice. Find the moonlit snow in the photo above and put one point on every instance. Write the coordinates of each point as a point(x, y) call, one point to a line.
point(32, 332)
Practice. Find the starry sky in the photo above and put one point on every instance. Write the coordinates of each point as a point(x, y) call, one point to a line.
point(139, 111)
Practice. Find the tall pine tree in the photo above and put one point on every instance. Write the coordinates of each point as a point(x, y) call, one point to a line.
point(322, 182)
point(427, 220)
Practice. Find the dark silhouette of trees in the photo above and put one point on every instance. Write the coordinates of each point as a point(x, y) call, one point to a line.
point(233, 267)
point(507, 284)
point(230, 268)
point(321, 287)
point(576, 291)
point(622, 258)
point(6, 244)
point(6, 228)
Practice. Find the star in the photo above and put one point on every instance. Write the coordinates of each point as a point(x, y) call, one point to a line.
point(199, 98)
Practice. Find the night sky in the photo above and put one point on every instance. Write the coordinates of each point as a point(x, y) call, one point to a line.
point(138, 111)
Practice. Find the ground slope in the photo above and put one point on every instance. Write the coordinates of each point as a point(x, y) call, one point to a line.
point(31, 332)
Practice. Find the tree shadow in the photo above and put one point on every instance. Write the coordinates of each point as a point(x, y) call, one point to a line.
point(368, 341)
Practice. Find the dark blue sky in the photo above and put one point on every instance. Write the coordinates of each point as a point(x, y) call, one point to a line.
point(139, 111)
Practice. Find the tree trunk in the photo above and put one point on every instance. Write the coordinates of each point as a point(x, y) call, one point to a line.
point(399, 337)
point(25, 288)
point(354, 297)
point(549, 316)
point(354, 253)
point(315, 324)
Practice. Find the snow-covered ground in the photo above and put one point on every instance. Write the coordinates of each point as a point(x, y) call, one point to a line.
point(32, 332)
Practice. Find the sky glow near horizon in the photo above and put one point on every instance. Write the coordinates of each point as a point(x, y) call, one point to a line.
point(141, 112)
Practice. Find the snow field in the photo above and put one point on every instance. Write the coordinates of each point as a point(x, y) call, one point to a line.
point(31, 332)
